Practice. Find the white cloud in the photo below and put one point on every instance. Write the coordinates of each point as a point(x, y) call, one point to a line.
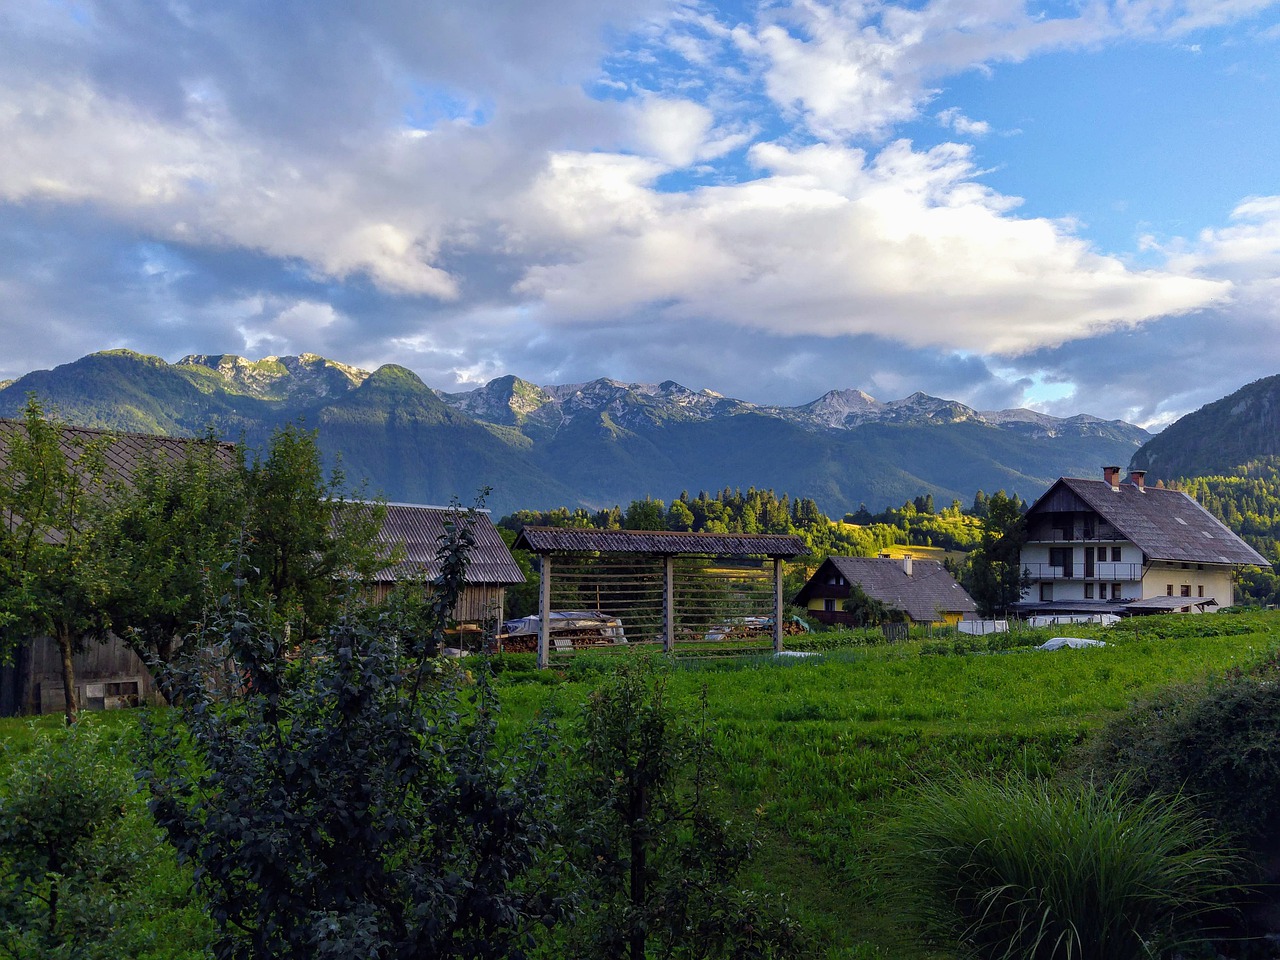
point(1248, 250)
point(906, 246)
point(674, 131)
point(206, 183)
point(856, 68)
point(954, 119)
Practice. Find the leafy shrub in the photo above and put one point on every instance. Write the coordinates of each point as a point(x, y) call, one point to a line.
point(84, 873)
point(660, 863)
point(358, 806)
point(1217, 741)
point(1027, 870)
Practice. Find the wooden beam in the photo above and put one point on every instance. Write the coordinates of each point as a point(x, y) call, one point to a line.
point(777, 604)
point(544, 615)
point(669, 605)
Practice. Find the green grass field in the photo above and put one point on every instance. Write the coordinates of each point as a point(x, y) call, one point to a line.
point(818, 752)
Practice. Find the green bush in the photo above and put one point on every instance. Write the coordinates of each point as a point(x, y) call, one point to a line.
point(1028, 870)
point(1217, 741)
point(84, 872)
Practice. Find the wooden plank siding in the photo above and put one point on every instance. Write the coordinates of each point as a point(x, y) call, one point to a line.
point(108, 675)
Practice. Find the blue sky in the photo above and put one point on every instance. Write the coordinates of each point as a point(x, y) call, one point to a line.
point(1070, 206)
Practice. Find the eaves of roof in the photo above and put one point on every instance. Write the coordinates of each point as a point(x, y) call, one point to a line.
point(551, 540)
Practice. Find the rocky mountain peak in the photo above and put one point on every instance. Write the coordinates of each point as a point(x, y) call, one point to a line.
point(281, 378)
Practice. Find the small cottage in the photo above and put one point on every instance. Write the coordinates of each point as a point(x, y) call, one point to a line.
point(417, 531)
point(924, 590)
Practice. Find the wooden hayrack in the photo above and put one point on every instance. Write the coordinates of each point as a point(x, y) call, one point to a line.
point(664, 587)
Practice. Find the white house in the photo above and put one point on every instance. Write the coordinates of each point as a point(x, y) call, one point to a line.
point(1112, 546)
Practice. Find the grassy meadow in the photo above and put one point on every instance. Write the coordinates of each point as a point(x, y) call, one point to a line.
point(819, 752)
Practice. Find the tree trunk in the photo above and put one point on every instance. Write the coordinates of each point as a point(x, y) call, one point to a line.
point(639, 850)
point(68, 675)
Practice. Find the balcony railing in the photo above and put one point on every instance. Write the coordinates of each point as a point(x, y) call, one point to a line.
point(1078, 535)
point(1116, 572)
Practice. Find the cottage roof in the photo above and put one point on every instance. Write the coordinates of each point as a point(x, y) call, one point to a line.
point(418, 530)
point(926, 592)
point(544, 540)
point(1165, 524)
point(122, 453)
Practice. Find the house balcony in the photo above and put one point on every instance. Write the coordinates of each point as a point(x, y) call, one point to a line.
point(1079, 535)
point(1115, 572)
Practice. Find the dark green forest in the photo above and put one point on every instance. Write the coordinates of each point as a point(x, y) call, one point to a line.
point(1247, 499)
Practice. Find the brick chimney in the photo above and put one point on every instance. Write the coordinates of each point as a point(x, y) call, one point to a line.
point(1139, 479)
point(906, 564)
point(1112, 476)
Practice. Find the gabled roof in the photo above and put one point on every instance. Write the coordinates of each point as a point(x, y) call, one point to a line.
point(418, 530)
point(929, 591)
point(543, 540)
point(1165, 524)
point(122, 453)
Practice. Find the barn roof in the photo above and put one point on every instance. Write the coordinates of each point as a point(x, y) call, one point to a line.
point(418, 529)
point(544, 540)
point(928, 591)
point(1165, 524)
point(122, 453)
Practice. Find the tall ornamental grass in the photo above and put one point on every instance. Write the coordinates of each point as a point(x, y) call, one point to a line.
point(1030, 870)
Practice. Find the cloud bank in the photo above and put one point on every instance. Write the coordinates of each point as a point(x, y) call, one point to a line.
point(736, 197)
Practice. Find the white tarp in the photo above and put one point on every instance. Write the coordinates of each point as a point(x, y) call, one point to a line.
point(1074, 643)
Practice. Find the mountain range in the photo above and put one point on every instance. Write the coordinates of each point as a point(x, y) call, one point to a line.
point(589, 444)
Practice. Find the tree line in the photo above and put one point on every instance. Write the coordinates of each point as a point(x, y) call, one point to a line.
point(733, 510)
point(1247, 499)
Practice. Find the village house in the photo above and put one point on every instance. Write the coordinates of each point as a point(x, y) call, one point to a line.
point(923, 590)
point(1118, 546)
point(110, 674)
point(417, 529)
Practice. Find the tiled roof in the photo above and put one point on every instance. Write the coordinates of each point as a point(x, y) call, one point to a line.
point(661, 542)
point(418, 529)
point(121, 452)
point(1165, 524)
point(927, 593)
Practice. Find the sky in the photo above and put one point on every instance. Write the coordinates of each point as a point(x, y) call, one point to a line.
point(1070, 206)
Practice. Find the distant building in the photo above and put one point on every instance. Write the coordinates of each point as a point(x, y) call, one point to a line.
point(1113, 546)
point(924, 590)
point(109, 673)
point(418, 529)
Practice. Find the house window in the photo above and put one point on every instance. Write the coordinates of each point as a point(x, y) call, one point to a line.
point(1088, 591)
point(1168, 589)
point(1046, 591)
point(1115, 591)
point(1115, 554)
point(1061, 557)
point(1186, 590)
point(1200, 590)
point(829, 606)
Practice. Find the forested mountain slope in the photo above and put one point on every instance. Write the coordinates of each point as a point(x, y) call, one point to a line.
point(590, 445)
